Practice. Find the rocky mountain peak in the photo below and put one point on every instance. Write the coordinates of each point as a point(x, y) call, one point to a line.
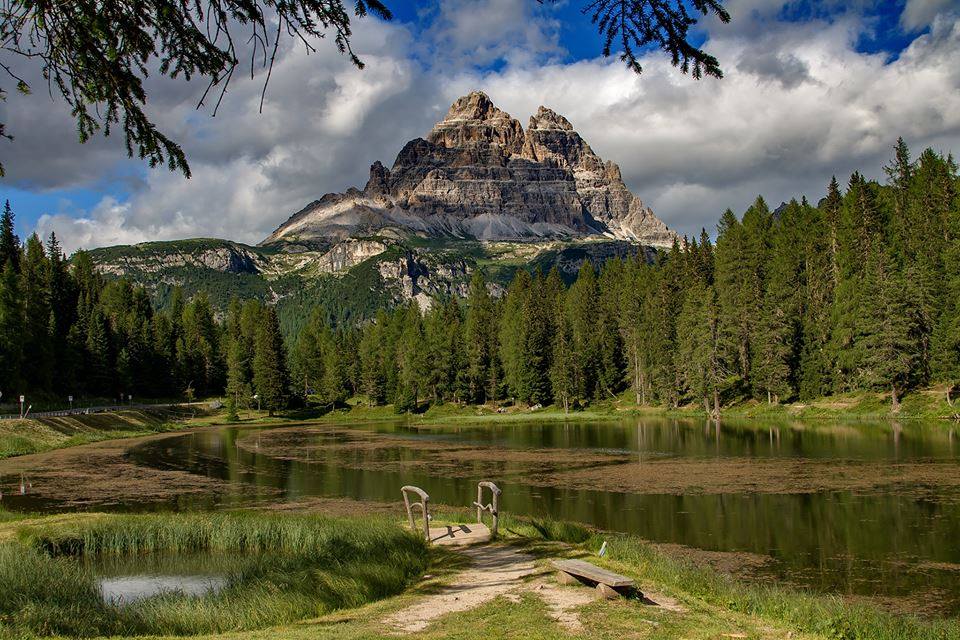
point(546, 118)
point(478, 174)
point(473, 120)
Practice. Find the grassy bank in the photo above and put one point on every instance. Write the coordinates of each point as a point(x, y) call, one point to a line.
point(321, 566)
point(33, 435)
point(923, 404)
point(819, 615)
point(278, 569)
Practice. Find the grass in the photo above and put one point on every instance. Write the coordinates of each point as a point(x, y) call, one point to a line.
point(819, 615)
point(920, 404)
point(34, 435)
point(279, 569)
point(294, 576)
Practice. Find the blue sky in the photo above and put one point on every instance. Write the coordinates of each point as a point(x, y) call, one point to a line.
point(808, 71)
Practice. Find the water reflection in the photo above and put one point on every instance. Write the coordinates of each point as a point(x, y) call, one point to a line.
point(897, 541)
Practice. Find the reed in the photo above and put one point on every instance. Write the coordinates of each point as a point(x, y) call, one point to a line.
point(279, 569)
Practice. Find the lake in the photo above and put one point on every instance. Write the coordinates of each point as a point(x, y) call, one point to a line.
point(862, 509)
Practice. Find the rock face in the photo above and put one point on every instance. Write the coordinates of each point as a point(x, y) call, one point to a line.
point(479, 175)
point(224, 256)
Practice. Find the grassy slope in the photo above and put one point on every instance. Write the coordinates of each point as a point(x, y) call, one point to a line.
point(21, 437)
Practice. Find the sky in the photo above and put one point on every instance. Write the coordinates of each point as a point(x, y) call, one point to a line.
point(810, 90)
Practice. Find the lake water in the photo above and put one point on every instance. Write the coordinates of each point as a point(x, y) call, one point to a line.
point(858, 509)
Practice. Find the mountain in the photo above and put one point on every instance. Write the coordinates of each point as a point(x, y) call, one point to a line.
point(479, 175)
point(479, 192)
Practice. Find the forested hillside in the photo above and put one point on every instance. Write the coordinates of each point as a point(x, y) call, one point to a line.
point(861, 292)
point(65, 330)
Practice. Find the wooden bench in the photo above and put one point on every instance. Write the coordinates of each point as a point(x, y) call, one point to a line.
point(609, 584)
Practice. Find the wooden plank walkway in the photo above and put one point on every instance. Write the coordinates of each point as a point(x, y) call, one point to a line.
point(593, 573)
point(460, 534)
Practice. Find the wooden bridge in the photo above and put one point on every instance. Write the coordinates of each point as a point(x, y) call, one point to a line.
point(415, 498)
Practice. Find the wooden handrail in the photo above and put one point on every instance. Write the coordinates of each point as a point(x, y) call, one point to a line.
point(424, 505)
point(493, 507)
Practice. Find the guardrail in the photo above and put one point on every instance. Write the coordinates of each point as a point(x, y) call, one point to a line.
point(104, 409)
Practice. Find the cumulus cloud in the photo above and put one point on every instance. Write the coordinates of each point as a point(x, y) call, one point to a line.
point(481, 32)
point(798, 104)
point(918, 14)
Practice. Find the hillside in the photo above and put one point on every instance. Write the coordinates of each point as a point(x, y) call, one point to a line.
point(349, 279)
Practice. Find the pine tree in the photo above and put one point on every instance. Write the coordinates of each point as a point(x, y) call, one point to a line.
point(611, 366)
point(372, 378)
point(698, 346)
point(582, 303)
point(9, 242)
point(819, 279)
point(334, 381)
point(887, 346)
point(831, 209)
point(410, 361)
point(513, 331)
point(270, 379)
point(479, 340)
point(562, 369)
point(238, 361)
point(12, 322)
point(37, 340)
point(98, 356)
point(775, 340)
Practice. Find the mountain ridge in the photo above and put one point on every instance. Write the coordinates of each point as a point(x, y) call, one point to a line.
point(479, 175)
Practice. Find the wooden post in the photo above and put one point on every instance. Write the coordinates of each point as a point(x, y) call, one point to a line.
point(493, 507)
point(424, 505)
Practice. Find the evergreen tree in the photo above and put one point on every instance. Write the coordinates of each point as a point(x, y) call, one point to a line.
point(887, 343)
point(37, 340)
point(9, 242)
point(269, 369)
point(410, 361)
point(238, 362)
point(372, 377)
point(698, 346)
point(775, 341)
point(582, 302)
point(563, 380)
point(334, 383)
point(12, 322)
point(98, 356)
point(479, 340)
point(513, 343)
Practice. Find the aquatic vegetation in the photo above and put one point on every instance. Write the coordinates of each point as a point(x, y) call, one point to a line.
point(278, 569)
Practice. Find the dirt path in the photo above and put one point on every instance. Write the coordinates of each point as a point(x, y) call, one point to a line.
point(495, 571)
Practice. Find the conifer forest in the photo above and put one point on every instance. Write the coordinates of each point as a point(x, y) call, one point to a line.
point(857, 291)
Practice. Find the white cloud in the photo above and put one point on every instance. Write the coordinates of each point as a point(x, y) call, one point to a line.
point(918, 14)
point(797, 105)
point(479, 32)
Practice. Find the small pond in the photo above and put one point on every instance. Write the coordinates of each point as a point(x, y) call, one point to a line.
point(123, 580)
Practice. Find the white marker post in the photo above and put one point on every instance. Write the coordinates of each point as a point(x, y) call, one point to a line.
point(22, 398)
